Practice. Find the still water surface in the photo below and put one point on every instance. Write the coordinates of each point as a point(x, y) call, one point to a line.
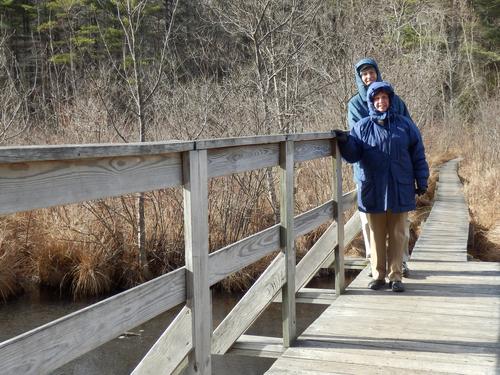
point(121, 355)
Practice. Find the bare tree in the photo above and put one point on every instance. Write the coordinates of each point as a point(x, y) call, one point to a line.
point(277, 34)
point(134, 72)
point(14, 94)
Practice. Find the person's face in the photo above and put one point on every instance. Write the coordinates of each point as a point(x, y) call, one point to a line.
point(381, 101)
point(368, 76)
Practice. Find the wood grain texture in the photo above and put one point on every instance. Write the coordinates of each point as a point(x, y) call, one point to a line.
point(170, 349)
point(314, 149)
point(260, 140)
point(322, 254)
point(339, 250)
point(26, 154)
point(198, 297)
point(226, 161)
point(239, 141)
point(31, 185)
point(48, 347)
point(250, 306)
point(238, 255)
point(287, 242)
point(258, 346)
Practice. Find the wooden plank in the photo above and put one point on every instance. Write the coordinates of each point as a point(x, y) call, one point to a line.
point(316, 296)
point(339, 249)
point(310, 264)
point(248, 250)
point(351, 230)
point(258, 346)
point(31, 185)
point(78, 333)
point(260, 140)
point(300, 366)
point(447, 321)
point(354, 263)
point(321, 254)
point(238, 255)
point(250, 306)
point(235, 142)
point(297, 137)
point(170, 349)
point(27, 154)
point(234, 257)
point(314, 149)
point(348, 199)
point(312, 219)
point(226, 161)
point(196, 248)
point(287, 242)
point(406, 361)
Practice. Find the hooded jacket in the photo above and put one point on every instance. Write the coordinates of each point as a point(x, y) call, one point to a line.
point(391, 156)
point(357, 107)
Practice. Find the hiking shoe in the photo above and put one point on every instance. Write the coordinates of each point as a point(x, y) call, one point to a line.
point(397, 286)
point(405, 270)
point(376, 284)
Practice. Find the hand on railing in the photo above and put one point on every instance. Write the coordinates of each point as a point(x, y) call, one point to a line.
point(341, 135)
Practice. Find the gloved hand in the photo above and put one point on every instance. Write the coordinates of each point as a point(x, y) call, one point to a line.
point(341, 135)
point(420, 191)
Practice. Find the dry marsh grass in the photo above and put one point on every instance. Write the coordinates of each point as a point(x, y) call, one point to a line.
point(89, 249)
point(11, 264)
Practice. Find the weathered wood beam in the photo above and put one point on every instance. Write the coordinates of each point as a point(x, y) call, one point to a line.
point(258, 346)
point(230, 160)
point(78, 333)
point(312, 149)
point(250, 306)
point(31, 185)
point(170, 349)
point(287, 242)
point(339, 249)
point(198, 297)
point(28, 154)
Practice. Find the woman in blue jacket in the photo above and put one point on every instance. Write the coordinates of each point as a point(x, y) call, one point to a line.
point(366, 72)
point(392, 168)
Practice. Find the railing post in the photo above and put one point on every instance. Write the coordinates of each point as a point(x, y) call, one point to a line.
point(287, 241)
point(337, 196)
point(196, 248)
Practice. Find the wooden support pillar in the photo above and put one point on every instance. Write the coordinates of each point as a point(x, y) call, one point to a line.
point(287, 242)
point(337, 196)
point(196, 247)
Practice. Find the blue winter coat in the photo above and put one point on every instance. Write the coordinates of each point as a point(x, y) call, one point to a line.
point(357, 108)
point(391, 158)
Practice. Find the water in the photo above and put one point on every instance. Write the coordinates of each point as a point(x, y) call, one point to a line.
point(121, 355)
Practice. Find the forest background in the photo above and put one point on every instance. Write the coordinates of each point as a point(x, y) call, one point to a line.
point(108, 71)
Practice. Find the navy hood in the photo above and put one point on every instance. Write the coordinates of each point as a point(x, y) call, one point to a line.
point(374, 88)
point(362, 89)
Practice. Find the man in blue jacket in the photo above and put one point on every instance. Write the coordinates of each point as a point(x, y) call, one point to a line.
point(392, 169)
point(366, 72)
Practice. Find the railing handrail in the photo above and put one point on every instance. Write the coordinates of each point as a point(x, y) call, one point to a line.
point(60, 174)
point(21, 154)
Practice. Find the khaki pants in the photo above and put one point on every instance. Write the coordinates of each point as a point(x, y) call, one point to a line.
point(366, 237)
point(390, 227)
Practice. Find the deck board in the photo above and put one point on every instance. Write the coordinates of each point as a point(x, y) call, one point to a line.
point(446, 322)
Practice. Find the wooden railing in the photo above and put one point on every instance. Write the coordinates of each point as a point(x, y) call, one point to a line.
point(37, 177)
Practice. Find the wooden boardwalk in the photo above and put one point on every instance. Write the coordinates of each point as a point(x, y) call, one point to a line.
point(447, 321)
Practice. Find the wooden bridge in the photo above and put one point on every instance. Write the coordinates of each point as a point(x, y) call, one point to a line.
point(447, 321)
